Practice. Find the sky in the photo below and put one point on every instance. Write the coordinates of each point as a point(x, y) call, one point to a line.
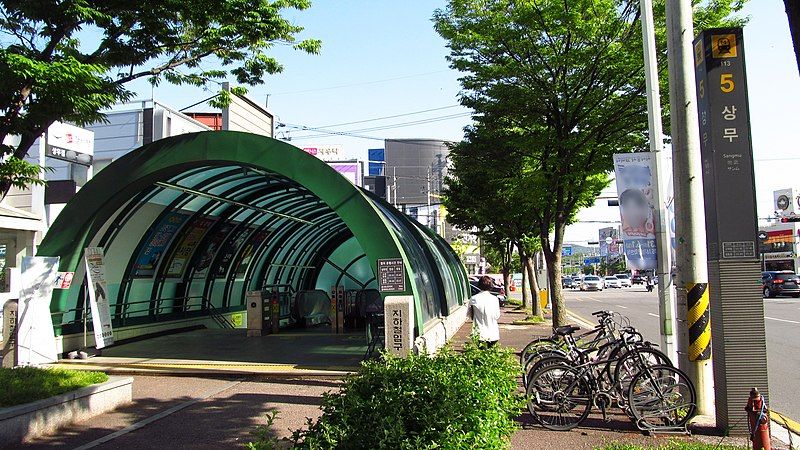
point(383, 58)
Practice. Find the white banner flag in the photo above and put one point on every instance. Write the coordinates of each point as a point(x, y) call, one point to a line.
point(634, 173)
point(35, 339)
point(98, 297)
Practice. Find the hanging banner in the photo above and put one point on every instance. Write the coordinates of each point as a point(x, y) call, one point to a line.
point(36, 342)
point(98, 297)
point(634, 174)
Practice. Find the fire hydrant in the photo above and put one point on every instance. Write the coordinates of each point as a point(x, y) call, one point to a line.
point(758, 421)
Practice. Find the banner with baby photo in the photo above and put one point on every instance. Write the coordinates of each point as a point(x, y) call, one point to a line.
point(634, 174)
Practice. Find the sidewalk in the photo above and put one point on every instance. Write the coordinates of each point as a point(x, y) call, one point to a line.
point(218, 410)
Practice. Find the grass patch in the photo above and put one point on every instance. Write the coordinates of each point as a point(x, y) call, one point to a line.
point(28, 384)
point(673, 445)
point(529, 319)
point(513, 301)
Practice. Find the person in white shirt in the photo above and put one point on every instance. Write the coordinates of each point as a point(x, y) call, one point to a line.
point(484, 309)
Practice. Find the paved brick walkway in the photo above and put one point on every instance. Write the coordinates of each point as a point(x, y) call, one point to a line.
point(219, 411)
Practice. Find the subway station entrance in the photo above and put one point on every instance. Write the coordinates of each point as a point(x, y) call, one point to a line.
point(191, 225)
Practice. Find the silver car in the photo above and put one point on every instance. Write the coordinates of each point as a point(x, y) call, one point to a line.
point(592, 283)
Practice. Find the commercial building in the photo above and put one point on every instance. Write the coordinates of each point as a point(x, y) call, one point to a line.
point(779, 240)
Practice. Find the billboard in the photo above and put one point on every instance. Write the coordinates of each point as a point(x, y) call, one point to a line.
point(349, 170)
point(326, 152)
point(634, 174)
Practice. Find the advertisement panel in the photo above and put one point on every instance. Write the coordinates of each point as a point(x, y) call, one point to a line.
point(634, 176)
point(247, 254)
point(98, 297)
point(609, 242)
point(157, 240)
point(185, 249)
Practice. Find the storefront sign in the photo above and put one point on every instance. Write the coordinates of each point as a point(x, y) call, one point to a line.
point(98, 297)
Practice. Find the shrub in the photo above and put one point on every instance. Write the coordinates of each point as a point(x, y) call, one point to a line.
point(451, 400)
point(27, 384)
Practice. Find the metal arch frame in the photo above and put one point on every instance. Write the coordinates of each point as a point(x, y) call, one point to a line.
point(256, 270)
point(230, 275)
point(182, 199)
point(168, 158)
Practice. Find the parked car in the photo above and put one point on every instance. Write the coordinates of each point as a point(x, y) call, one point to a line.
point(611, 281)
point(637, 279)
point(498, 291)
point(568, 282)
point(780, 282)
point(624, 279)
point(592, 283)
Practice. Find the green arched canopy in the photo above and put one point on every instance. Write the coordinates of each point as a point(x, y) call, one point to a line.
point(191, 223)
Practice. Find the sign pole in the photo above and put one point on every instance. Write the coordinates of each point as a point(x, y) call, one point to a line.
point(666, 294)
point(694, 342)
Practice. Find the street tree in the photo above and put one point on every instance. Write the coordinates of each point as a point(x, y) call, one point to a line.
point(68, 60)
point(565, 82)
point(480, 192)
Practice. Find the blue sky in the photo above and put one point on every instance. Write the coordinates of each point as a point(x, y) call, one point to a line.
point(382, 58)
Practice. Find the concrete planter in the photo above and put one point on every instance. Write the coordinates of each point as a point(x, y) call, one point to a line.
point(30, 420)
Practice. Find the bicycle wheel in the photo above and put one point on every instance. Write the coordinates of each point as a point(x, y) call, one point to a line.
point(537, 345)
point(631, 363)
point(548, 360)
point(661, 397)
point(559, 397)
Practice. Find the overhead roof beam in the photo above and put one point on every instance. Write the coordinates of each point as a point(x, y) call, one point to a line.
point(229, 201)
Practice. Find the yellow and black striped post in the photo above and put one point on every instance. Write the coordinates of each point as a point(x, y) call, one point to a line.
point(699, 319)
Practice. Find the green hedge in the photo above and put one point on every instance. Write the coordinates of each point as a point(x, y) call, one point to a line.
point(454, 400)
point(27, 384)
point(674, 445)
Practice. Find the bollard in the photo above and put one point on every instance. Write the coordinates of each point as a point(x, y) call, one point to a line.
point(758, 421)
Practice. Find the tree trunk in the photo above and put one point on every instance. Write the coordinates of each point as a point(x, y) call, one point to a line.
point(552, 255)
point(526, 294)
point(507, 267)
point(793, 13)
point(530, 268)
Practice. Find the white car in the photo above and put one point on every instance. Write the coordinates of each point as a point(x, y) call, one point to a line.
point(592, 283)
point(624, 279)
point(612, 282)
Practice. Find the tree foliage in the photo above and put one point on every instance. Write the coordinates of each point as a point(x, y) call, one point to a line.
point(560, 87)
point(67, 60)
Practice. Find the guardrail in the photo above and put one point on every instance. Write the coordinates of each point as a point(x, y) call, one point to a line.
point(159, 312)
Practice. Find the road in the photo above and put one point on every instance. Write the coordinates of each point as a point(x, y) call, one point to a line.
point(782, 318)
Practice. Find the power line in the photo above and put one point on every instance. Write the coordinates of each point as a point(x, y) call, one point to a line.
point(321, 132)
point(363, 83)
point(388, 117)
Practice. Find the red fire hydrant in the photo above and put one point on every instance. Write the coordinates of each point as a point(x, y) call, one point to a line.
point(758, 421)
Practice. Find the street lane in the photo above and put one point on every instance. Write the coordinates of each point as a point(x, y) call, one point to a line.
point(782, 319)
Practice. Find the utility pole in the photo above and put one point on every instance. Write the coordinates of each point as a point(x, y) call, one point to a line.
point(690, 247)
point(428, 194)
point(666, 294)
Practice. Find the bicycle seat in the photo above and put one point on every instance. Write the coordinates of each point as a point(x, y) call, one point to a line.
point(565, 330)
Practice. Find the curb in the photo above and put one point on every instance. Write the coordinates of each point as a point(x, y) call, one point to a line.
point(210, 370)
point(785, 429)
point(580, 320)
point(41, 417)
